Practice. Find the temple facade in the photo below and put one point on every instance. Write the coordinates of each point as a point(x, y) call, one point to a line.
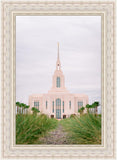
point(58, 103)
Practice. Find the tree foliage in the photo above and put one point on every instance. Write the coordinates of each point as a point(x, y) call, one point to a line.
point(81, 110)
point(35, 110)
point(22, 105)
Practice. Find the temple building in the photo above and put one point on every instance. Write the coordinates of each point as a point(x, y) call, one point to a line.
point(58, 102)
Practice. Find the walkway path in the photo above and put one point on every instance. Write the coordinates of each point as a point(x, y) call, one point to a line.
point(57, 136)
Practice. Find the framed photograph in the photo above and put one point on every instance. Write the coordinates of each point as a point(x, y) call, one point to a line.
point(58, 79)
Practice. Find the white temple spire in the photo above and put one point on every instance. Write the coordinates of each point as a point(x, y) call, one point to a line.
point(58, 64)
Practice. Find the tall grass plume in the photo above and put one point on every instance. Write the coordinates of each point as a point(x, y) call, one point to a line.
point(83, 130)
point(29, 128)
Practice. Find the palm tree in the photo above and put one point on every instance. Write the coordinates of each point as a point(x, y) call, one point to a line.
point(87, 106)
point(81, 110)
point(23, 107)
point(90, 106)
point(95, 105)
point(18, 105)
point(35, 110)
point(26, 107)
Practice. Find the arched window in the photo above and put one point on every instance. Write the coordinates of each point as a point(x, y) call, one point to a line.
point(58, 108)
point(58, 82)
point(58, 102)
point(46, 104)
point(53, 106)
point(69, 104)
point(63, 106)
point(36, 104)
point(80, 104)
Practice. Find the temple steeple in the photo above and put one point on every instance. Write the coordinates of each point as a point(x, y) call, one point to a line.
point(58, 81)
point(58, 64)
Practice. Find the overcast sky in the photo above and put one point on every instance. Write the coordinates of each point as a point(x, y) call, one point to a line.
point(36, 54)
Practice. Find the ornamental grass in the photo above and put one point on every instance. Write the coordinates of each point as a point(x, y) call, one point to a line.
point(29, 128)
point(85, 129)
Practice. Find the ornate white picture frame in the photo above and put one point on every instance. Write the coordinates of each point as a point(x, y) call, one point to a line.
point(105, 9)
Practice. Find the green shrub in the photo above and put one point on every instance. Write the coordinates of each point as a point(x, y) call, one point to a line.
point(72, 115)
point(29, 128)
point(84, 130)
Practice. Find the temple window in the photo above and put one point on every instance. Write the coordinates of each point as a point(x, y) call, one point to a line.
point(80, 104)
point(36, 104)
point(53, 106)
point(58, 82)
point(58, 102)
point(63, 106)
point(69, 104)
point(46, 104)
